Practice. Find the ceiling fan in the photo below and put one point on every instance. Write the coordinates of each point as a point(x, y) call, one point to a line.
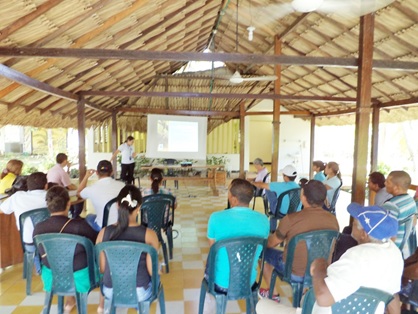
point(344, 8)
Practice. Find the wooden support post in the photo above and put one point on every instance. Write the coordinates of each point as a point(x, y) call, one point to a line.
point(276, 114)
point(375, 138)
point(312, 146)
point(114, 143)
point(81, 121)
point(363, 109)
point(242, 139)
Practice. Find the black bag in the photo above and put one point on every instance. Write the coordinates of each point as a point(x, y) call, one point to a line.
point(19, 184)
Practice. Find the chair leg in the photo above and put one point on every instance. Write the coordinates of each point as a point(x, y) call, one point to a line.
point(272, 283)
point(255, 198)
point(108, 306)
point(81, 300)
point(164, 246)
point(250, 303)
point(143, 307)
point(29, 257)
point(169, 234)
point(202, 298)
point(60, 304)
point(47, 302)
point(161, 300)
point(221, 303)
point(297, 289)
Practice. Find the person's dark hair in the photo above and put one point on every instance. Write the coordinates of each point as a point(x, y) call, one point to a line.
point(315, 193)
point(290, 178)
point(129, 138)
point(157, 178)
point(51, 184)
point(242, 190)
point(37, 181)
point(104, 168)
point(321, 165)
point(57, 199)
point(129, 199)
point(335, 168)
point(377, 178)
point(61, 157)
point(303, 181)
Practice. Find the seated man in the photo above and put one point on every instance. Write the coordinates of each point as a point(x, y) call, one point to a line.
point(401, 204)
point(311, 218)
point(274, 189)
point(58, 175)
point(237, 221)
point(376, 184)
point(375, 263)
point(58, 202)
point(21, 202)
point(100, 193)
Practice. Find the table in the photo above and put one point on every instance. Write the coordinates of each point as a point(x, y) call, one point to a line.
point(211, 168)
point(11, 252)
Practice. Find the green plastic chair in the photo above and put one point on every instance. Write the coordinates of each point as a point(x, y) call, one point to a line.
point(154, 211)
point(36, 215)
point(106, 211)
point(168, 225)
point(259, 192)
point(364, 300)
point(408, 223)
point(60, 249)
point(123, 258)
point(319, 244)
point(243, 254)
point(334, 200)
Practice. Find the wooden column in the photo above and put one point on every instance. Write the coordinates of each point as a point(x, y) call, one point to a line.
point(312, 146)
point(114, 142)
point(276, 114)
point(375, 138)
point(81, 121)
point(242, 139)
point(363, 110)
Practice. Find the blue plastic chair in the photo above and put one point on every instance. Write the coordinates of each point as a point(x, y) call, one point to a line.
point(408, 223)
point(123, 258)
point(59, 249)
point(106, 211)
point(364, 300)
point(168, 224)
point(243, 254)
point(334, 200)
point(36, 215)
point(154, 210)
point(319, 244)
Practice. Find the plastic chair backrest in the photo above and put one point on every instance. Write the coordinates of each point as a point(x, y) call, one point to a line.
point(157, 197)
point(106, 211)
point(155, 214)
point(319, 244)
point(335, 198)
point(364, 300)
point(293, 196)
point(36, 215)
point(259, 192)
point(59, 249)
point(243, 254)
point(408, 222)
point(123, 258)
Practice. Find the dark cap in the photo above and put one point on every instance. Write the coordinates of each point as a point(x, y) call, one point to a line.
point(104, 166)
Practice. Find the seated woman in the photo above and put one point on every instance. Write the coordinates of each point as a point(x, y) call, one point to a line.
point(58, 203)
point(9, 174)
point(129, 202)
point(156, 178)
point(332, 181)
point(319, 167)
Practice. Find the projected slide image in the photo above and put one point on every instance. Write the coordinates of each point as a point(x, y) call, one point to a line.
point(177, 136)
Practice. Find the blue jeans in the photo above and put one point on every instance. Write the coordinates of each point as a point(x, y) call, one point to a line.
point(91, 220)
point(36, 260)
point(275, 258)
point(142, 293)
point(272, 198)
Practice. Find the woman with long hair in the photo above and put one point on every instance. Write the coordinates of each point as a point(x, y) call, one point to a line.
point(332, 181)
point(318, 166)
point(9, 174)
point(129, 202)
point(156, 178)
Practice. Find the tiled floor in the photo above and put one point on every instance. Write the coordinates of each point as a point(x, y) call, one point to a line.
point(181, 285)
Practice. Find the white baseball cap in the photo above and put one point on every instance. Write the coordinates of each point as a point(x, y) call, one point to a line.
point(289, 171)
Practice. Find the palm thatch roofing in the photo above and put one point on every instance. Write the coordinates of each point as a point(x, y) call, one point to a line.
point(54, 52)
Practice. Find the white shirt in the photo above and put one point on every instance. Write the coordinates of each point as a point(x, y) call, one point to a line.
point(370, 265)
point(99, 194)
point(260, 176)
point(126, 152)
point(21, 202)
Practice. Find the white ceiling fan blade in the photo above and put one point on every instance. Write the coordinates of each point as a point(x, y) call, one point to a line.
point(236, 78)
point(352, 8)
point(273, 12)
point(260, 78)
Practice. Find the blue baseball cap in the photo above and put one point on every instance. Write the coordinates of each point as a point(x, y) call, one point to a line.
point(377, 221)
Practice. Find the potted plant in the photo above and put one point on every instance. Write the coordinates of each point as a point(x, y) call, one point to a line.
point(220, 172)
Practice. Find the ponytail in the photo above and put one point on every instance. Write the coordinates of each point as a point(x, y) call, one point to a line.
point(157, 178)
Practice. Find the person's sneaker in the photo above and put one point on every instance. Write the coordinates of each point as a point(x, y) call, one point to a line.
point(264, 294)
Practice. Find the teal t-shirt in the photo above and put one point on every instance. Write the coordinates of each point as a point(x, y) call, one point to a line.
point(320, 176)
point(232, 223)
point(279, 188)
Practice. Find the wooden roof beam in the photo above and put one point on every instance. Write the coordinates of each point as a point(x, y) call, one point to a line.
point(199, 56)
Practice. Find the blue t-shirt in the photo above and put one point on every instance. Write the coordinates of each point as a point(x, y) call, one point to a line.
point(279, 188)
point(334, 183)
point(320, 176)
point(232, 223)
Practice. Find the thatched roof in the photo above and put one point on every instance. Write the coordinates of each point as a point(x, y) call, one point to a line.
point(121, 46)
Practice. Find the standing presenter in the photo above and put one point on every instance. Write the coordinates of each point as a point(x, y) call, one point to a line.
point(128, 160)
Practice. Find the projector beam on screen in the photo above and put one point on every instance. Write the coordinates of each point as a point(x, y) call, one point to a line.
point(178, 137)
